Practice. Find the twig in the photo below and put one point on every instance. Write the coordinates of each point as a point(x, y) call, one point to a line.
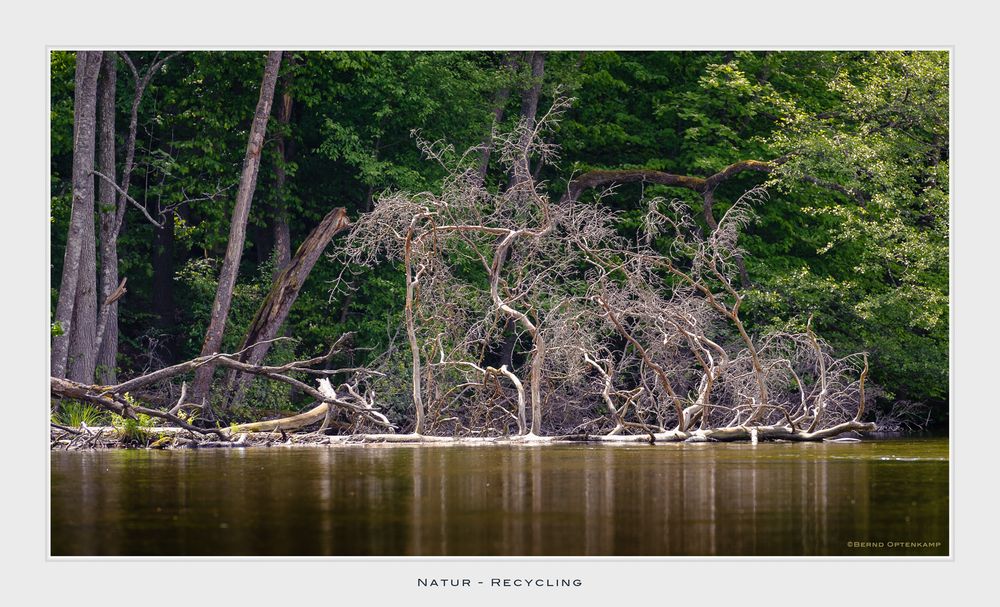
point(137, 204)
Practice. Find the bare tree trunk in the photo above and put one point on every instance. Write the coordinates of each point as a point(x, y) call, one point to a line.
point(88, 65)
point(274, 310)
point(537, 367)
point(538, 342)
point(82, 361)
point(237, 230)
point(412, 280)
point(107, 350)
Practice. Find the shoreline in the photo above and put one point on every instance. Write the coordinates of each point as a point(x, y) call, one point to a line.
point(103, 438)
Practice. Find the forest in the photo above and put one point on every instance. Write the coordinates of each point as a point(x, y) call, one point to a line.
point(593, 245)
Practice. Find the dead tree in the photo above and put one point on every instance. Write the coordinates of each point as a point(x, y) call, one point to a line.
point(653, 338)
point(706, 187)
point(499, 231)
point(741, 390)
point(284, 291)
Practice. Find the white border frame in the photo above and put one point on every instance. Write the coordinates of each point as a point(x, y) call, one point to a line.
point(515, 24)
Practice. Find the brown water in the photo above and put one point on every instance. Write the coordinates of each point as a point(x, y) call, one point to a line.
point(567, 500)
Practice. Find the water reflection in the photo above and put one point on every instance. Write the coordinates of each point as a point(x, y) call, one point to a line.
point(769, 499)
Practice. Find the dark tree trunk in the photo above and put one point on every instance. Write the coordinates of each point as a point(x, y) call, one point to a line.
point(107, 351)
point(529, 110)
point(507, 348)
point(163, 284)
point(510, 65)
point(283, 293)
point(237, 230)
point(261, 241)
point(281, 235)
point(88, 65)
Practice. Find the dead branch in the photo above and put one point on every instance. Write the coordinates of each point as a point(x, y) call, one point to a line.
point(112, 398)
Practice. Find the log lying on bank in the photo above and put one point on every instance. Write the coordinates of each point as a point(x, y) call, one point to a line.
point(272, 435)
point(763, 433)
point(115, 398)
point(739, 433)
point(110, 399)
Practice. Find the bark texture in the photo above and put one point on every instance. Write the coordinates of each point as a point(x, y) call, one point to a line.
point(82, 359)
point(107, 339)
point(237, 230)
point(284, 291)
point(88, 64)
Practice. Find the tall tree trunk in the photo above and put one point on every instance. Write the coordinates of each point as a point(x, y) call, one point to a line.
point(520, 173)
point(88, 65)
point(237, 229)
point(82, 359)
point(112, 213)
point(274, 310)
point(107, 351)
point(163, 284)
point(282, 236)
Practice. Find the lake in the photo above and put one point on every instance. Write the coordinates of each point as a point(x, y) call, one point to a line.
point(873, 498)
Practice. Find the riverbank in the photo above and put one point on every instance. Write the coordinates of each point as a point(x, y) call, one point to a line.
point(63, 438)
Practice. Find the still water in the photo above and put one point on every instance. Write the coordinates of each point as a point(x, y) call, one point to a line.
point(854, 499)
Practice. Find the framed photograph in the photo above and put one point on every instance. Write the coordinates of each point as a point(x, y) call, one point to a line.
point(523, 318)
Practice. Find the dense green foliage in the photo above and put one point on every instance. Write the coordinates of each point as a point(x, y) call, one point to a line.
point(871, 268)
